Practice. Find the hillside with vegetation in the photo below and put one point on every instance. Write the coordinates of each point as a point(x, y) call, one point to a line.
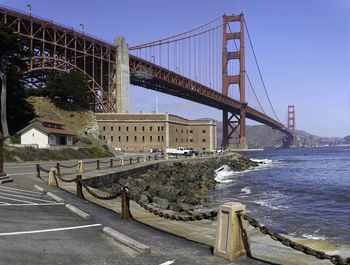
point(261, 136)
point(76, 119)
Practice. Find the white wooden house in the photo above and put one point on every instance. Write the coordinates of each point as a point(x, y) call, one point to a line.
point(45, 133)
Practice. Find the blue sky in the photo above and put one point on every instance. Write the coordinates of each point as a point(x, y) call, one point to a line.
point(302, 48)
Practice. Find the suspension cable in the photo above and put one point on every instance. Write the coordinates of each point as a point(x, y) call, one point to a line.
point(174, 40)
point(173, 37)
point(257, 64)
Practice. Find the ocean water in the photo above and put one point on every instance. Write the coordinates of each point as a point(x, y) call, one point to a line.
point(301, 191)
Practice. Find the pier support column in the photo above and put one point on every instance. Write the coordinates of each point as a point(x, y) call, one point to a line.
point(122, 76)
point(232, 236)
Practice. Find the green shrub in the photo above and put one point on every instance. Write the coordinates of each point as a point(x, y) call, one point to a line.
point(15, 139)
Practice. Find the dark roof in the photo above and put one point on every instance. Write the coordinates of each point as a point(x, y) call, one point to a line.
point(46, 120)
point(55, 130)
point(48, 130)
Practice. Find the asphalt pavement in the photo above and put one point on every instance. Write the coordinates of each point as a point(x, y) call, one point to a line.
point(35, 229)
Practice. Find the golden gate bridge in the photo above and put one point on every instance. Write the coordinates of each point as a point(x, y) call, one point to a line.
point(206, 65)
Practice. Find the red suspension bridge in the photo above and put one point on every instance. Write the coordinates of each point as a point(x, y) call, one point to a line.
point(205, 65)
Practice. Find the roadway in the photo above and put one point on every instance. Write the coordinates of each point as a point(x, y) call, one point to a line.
point(37, 230)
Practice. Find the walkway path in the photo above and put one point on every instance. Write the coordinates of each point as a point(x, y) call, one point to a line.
point(263, 248)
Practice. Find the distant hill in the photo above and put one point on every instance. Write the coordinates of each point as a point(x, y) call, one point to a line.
point(261, 136)
point(347, 139)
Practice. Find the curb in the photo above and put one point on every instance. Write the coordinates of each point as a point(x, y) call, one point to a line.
point(55, 197)
point(78, 212)
point(127, 240)
point(5, 179)
point(39, 188)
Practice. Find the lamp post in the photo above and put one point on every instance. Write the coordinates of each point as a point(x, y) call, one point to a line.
point(30, 9)
point(83, 28)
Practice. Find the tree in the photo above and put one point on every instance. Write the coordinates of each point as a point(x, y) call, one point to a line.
point(68, 87)
point(11, 73)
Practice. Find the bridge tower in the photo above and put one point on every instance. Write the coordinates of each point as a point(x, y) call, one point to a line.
point(291, 125)
point(234, 126)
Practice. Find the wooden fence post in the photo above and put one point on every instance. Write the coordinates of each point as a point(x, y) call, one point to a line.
point(97, 164)
point(79, 194)
point(37, 170)
point(58, 168)
point(52, 177)
point(80, 168)
point(125, 214)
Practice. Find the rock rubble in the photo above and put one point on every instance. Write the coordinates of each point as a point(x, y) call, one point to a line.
point(179, 186)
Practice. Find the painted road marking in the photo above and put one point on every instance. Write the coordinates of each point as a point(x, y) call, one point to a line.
point(20, 174)
point(20, 192)
point(168, 262)
point(49, 230)
point(11, 199)
point(23, 197)
point(31, 204)
point(8, 188)
point(19, 197)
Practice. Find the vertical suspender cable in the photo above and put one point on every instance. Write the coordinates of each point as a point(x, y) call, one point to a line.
point(257, 64)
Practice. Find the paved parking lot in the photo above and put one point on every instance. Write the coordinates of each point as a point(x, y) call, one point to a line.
point(34, 229)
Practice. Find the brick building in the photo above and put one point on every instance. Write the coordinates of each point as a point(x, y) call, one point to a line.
point(135, 132)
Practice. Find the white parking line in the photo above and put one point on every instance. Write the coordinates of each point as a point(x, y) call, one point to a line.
point(49, 230)
point(20, 174)
point(19, 192)
point(168, 262)
point(24, 197)
point(10, 199)
point(8, 188)
point(31, 204)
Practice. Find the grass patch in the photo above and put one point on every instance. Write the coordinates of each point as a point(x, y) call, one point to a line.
point(32, 154)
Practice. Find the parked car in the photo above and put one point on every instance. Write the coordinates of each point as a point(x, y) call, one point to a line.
point(218, 151)
point(178, 151)
point(194, 152)
point(154, 150)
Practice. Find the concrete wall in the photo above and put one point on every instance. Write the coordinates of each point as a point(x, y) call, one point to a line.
point(34, 136)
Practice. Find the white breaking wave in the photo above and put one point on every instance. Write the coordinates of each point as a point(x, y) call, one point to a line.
point(223, 173)
point(314, 235)
point(263, 161)
point(273, 200)
point(246, 190)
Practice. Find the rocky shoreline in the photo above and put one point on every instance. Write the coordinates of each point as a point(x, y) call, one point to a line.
point(180, 186)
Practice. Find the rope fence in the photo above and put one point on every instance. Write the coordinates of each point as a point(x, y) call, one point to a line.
point(335, 259)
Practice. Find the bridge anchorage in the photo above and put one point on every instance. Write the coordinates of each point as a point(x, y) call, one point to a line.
point(195, 65)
